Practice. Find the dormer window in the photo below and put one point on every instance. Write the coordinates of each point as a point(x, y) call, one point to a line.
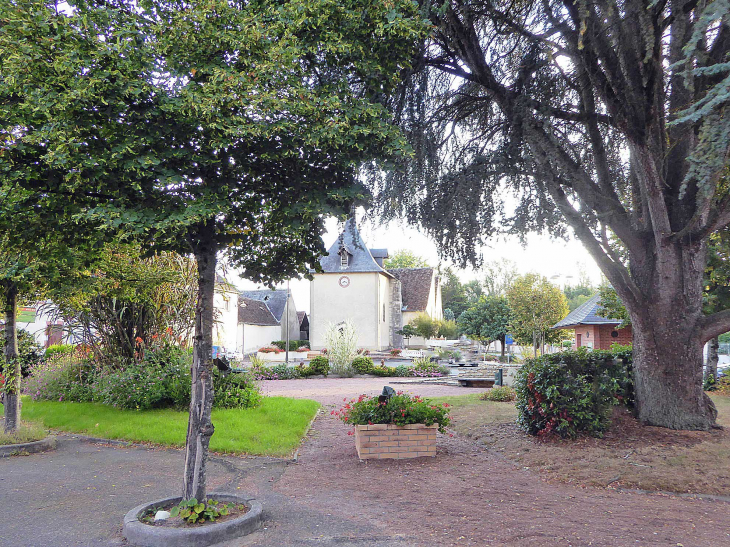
point(343, 258)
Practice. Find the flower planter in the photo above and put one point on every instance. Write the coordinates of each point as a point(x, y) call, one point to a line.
point(280, 357)
point(146, 535)
point(390, 441)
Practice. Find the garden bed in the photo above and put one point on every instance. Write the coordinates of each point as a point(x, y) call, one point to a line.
point(630, 455)
point(274, 428)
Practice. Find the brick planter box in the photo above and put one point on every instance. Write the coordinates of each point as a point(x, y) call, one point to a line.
point(383, 441)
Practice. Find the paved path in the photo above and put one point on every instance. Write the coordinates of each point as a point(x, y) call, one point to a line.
point(77, 495)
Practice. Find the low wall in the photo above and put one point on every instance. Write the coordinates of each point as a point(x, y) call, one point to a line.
point(381, 441)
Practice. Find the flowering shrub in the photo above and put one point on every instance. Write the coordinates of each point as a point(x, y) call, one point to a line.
point(277, 372)
point(65, 376)
point(424, 367)
point(400, 409)
point(572, 392)
point(271, 349)
point(395, 352)
point(303, 349)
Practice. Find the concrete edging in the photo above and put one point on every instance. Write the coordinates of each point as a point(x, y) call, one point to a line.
point(145, 535)
point(49, 443)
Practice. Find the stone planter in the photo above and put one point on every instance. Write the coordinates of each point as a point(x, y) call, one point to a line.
point(146, 535)
point(390, 441)
point(280, 357)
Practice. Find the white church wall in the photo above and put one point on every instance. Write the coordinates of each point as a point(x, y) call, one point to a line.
point(331, 303)
point(255, 337)
point(384, 311)
point(225, 325)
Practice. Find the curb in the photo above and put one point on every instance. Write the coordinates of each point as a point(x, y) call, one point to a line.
point(49, 443)
point(145, 535)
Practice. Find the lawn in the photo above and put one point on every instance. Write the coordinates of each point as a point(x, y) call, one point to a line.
point(273, 429)
point(630, 455)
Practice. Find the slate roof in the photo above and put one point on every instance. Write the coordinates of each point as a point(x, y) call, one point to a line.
point(275, 300)
point(415, 287)
point(302, 318)
point(360, 260)
point(255, 312)
point(586, 314)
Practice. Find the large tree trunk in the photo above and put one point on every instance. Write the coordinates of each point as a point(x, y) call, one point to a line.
point(668, 340)
point(713, 358)
point(12, 363)
point(200, 426)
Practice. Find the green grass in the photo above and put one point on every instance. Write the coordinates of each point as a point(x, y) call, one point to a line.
point(273, 429)
point(26, 433)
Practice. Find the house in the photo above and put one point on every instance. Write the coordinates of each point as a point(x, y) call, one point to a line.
point(593, 330)
point(354, 285)
point(264, 316)
point(225, 319)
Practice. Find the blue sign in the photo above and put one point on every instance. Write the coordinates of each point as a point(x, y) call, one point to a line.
point(508, 340)
point(216, 350)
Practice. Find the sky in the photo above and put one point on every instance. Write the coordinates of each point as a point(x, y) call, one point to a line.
point(560, 261)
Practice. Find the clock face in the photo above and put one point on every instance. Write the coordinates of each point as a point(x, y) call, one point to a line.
point(344, 281)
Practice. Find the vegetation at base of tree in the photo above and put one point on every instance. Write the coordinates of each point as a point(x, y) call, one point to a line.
point(28, 432)
point(573, 392)
point(404, 258)
point(536, 305)
point(192, 511)
point(274, 428)
point(400, 409)
point(499, 394)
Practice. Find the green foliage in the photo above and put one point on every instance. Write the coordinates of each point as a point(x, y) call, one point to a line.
point(26, 433)
point(341, 348)
point(424, 367)
point(499, 394)
point(449, 315)
point(453, 296)
point(192, 512)
point(56, 349)
point(362, 365)
point(488, 320)
point(405, 258)
point(276, 372)
point(408, 331)
point(498, 277)
point(573, 392)
point(294, 345)
point(447, 329)
point(65, 376)
point(536, 305)
point(30, 353)
point(612, 307)
point(402, 371)
point(320, 365)
point(401, 409)
point(424, 325)
point(234, 390)
point(384, 371)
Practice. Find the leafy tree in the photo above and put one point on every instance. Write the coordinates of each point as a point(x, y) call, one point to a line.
point(498, 276)
point(226, 127)
point(408, 332)
point(536, 306)
point(453, 296)
point(606, 118)
point(487, 321)
point(449, 315)
point(447, 329)
point(424, 325)
point(405, 258)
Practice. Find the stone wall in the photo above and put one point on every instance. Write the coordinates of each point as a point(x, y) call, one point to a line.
point(396, 314)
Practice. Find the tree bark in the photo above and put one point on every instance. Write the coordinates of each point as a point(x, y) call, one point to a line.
point(12, 363)
point(668, 340)
point(200, 426)
point(712, 358)
point(502, 341)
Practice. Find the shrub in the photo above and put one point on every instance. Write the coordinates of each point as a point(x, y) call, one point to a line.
point(271, 349)
point(395, 352)
point(573, 392)
point(722, 386)
point(66, 376)
point(320, 365)
point(29, 352)
point(383, 371)
point(362, 365)
point(56, 349)
point(400, 409)
point(424, 325)
point(403, 371)
point(294, 345)
point(235, 390)
point(447, 329)
point(499, 393)
point(424, 367)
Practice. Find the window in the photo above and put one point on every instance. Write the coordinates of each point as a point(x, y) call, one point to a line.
point(343, 257)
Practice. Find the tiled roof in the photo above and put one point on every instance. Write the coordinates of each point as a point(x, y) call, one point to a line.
point(415, 287)
point(302, 318)
point(360, 259)
point(275, 300)
point(255, 312)
point(586, 314)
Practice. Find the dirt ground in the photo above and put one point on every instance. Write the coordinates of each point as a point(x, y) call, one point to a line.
point(471, 495)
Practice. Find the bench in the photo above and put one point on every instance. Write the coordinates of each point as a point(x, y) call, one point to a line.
point(476, 382)
point(461, 365)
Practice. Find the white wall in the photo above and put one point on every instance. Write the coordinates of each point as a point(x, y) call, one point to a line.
point(254, 337)
point(331, 303)
point(225, 325)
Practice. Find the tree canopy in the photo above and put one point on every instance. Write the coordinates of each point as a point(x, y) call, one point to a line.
point(488, 320)
point(405, 258)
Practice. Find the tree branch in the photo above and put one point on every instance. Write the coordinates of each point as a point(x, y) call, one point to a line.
point(715, 325)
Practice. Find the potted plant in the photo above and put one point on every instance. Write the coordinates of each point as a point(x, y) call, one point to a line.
point(394, 427)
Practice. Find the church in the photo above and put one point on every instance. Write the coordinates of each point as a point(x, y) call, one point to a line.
point(354, 285)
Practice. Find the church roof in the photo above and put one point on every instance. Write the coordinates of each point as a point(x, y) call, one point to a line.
point(255, 312)
point(360, 259)
point(302, 318)
point(415, 287)
point(587, 313)
point(274, 300)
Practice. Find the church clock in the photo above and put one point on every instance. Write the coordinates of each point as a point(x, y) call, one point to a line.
point(344, 281)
